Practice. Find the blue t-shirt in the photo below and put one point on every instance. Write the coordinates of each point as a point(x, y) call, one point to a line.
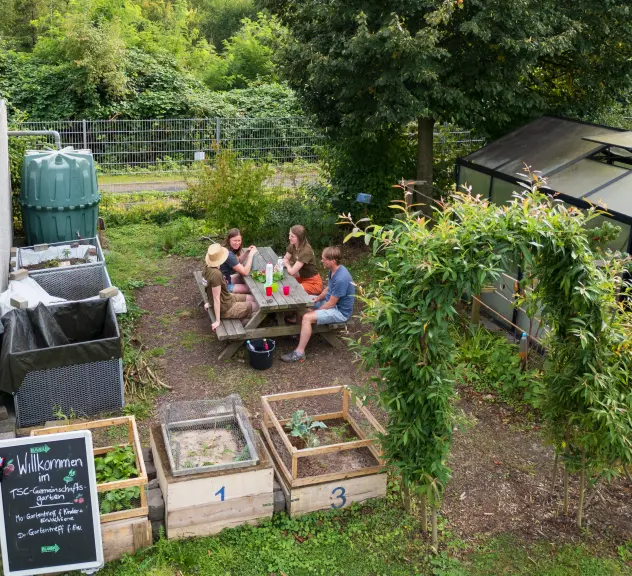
point(341, 285)
point(228, 265)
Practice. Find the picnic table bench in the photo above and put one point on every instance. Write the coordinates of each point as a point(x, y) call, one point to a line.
point(276, 306)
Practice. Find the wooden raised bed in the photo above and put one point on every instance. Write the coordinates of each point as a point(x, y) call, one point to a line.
point(204, 504)
point(132, 440)
point(331, 490)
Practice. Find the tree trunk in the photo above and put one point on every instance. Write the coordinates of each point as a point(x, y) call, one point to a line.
point(424, 514)
point(565, 491)
point(554, 472)
point(425, 157)
point(406, 498)
point(582, 491)
point(433, 520)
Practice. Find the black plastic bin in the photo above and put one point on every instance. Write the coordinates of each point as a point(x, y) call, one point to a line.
point(260, 358)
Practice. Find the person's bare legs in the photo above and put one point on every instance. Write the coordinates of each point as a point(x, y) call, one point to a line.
point(238, 285)
point(309, 318)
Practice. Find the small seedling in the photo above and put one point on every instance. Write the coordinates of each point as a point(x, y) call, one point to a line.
point(187, 464)
point(243, 455)
point(66, 253)
point(301, 426)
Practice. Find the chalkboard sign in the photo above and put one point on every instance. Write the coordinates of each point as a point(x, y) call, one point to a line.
point(49, 509)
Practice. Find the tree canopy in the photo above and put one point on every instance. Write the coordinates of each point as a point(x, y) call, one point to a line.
point(368, 69)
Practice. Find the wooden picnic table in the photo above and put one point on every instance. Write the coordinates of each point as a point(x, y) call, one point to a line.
point(276, 307)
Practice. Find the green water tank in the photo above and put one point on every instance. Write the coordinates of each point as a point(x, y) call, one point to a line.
point(59, 196)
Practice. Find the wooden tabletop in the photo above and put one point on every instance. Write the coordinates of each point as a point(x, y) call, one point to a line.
point(297, 298)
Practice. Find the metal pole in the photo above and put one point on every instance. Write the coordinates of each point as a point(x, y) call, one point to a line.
point(218, 132)
point(85, 134)
point(38, 133)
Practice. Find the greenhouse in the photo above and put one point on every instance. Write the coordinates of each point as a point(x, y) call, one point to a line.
point(584, 165)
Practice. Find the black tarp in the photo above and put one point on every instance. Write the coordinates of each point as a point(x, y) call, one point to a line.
point(54, 336)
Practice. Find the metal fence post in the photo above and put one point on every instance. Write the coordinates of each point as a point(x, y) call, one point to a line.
point(218, 132)
point(85, 134)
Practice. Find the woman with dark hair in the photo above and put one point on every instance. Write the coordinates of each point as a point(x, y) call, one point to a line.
point(238, 263)
point(300, 261)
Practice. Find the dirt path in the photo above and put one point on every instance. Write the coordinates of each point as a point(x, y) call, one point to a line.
point(501, 466)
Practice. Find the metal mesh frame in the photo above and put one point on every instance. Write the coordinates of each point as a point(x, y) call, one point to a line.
point(205, 418)
point(73, 282)
point(27, 255)
point(166, 148)
point(83, 389)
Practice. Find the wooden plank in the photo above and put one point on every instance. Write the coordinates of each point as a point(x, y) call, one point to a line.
point(310, 480)
point(370, 417)
point(118, 484)
point(328, 416)
point(294, 466)
point(230, 350)
point(82, 426)
point(303, 393)
point(106, 449)
point(340, 447)
point(125, 514)
point(125, 537)
point(212, 516)
point(334, 495)
point(276, 457)
point(277, 425)
point(255, 320)
point(345, 402)
point(376, 450)
point(332, 339)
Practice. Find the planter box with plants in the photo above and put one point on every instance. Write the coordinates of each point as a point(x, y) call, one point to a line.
point(327, 460)
point(211, 469)
point(121, 482)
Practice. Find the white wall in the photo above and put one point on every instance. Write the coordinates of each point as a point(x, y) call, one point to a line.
point(6, 220)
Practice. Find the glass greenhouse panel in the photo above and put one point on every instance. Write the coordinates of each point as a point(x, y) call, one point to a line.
point(478, 181)
point(502, 191)
point(583, 177)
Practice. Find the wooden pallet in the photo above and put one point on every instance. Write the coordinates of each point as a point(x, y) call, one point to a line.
point(125, 537)
point(205, 504)
point(132, 440)
point(326, 491)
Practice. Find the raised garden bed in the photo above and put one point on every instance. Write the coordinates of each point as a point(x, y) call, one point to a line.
point(120, 468)
point(85, 252)
point(327, 460)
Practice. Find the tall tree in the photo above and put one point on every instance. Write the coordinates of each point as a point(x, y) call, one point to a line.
point(365, 68)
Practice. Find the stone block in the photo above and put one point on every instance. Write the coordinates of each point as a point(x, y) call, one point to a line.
point(151, 470)
point(7, 435)
point(19, 302)
point(147, 455)
point(19, 274)
point(92, 251)
point(153, 484)
point(109, 292)
point(40, 247)
point(155, 529)
point(279, 501)
point(156, 505)
point(14, 252)
point(4, 415)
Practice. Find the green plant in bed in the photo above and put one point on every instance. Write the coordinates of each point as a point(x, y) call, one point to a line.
point(117, 464)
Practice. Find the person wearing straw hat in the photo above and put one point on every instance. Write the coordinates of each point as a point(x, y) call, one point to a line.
point(225, 304)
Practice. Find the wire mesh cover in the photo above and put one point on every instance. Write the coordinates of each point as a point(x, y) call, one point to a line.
point(74, 283)
point(208, 435)
point(82, 389)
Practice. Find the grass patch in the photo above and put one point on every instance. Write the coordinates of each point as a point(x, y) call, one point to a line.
point(189, 340)
point(377, 539)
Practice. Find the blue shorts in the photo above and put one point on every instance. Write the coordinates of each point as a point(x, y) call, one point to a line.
point(230, 286)
point(329, 316)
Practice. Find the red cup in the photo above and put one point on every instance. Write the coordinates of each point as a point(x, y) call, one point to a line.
point(286, 290)
point(268, 290)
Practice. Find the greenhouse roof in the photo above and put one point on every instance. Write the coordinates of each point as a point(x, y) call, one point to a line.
point(584, 163)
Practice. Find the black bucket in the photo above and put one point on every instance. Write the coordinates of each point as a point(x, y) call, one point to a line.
point(260, 358)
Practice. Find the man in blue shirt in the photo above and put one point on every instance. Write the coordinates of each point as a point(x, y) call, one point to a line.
point(334, 305)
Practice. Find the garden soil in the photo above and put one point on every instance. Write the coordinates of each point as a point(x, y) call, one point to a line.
point(501, 466)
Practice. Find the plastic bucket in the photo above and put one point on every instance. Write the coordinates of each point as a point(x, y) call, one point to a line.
point(261, 359)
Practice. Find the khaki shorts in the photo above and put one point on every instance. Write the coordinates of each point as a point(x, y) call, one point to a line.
point(240, 308)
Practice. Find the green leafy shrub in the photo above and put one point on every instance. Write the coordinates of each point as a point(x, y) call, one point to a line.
point(229, 193)
point(285, 209)
point(123, 209)
point(117, 464)
point(489, 363)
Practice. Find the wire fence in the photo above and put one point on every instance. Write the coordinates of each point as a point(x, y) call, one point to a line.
point(158, 154)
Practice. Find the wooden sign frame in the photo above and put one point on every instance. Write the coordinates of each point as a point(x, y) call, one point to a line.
point(98, 544)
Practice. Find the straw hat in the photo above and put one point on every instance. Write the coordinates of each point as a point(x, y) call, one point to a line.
point(216, 255)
